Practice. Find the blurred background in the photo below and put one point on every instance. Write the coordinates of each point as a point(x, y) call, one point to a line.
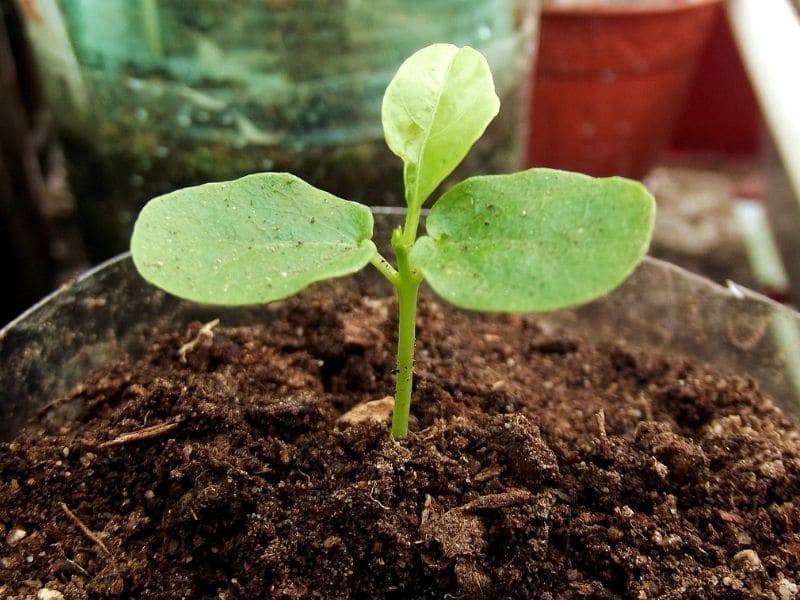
point(107, 103)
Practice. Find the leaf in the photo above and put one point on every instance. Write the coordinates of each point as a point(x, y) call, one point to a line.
point(434, 109)
point(260, 238)
point(537, 240)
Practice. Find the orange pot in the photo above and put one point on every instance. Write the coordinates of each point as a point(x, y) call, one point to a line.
point(609, 81)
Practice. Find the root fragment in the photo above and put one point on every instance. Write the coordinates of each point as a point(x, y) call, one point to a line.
point(206, 331)
point(84, 529)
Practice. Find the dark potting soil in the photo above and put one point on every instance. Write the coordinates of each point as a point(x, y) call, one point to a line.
point(539, 466)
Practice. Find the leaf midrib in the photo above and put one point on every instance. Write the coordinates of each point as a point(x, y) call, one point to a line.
point(428, 130)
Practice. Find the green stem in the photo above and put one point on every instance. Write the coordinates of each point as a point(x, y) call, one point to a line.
point(408, 282)
point(407, 301)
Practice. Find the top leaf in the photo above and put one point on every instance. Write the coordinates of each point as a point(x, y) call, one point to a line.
point(260, 238)
point(534, 241)
point(435, 108)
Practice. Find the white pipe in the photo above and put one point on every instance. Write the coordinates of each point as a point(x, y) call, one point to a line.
point(762, 250)
point(768, 35)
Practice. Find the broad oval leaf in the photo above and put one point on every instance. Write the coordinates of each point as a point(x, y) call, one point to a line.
point(434, 109)
point(256, 239)
point(534, 241)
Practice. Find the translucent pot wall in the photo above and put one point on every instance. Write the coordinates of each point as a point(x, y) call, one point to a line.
point(152, 95)
point(111, 309)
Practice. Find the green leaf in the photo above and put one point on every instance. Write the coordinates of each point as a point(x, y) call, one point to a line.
point(260, 238)
point(537, 240)
point(436, 106)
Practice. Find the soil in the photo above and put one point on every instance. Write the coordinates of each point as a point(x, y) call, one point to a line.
point(539, 466)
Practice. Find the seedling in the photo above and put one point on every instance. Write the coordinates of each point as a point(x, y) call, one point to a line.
point(532, 241)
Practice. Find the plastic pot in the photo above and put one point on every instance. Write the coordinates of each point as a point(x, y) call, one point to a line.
point(155, 95)
point(111, 311)
point(609, 81)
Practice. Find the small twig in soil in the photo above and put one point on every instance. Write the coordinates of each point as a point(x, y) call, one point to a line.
point(133, 436)
point(488, 473)
point(206, 331)
point(77, 566)
point(84, 529)
point(600, 419)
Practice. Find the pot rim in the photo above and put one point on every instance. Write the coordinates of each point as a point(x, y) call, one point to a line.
point(102, 266)
point(601, 9)
point(661, 307)
point(734, 289)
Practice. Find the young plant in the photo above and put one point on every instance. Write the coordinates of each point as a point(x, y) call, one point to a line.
point(532, 241)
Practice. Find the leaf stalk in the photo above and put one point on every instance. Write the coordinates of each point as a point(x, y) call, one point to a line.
point(385, 268)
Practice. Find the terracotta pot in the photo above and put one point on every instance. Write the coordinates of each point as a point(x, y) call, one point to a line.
point(609, 81)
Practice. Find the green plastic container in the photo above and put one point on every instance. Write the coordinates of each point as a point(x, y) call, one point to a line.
point(152, 95)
